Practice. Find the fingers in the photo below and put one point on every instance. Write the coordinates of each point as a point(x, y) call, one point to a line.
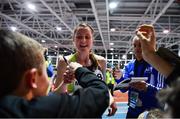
point(68, 76)
point(147, 31)
point(141, 36)
point(112, 110)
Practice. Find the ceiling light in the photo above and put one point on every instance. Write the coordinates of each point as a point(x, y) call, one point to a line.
point(124, 57)
point(111, 48)
point(43, 41)
point(130, 52)
point(13, 28)
point(55, 46)
point(113, 29)
point(112, 5)
point(111, 43)
point(31, 6)
point(58, 28)
point(165, 31)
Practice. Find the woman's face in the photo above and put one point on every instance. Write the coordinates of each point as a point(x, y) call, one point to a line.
point(83, 39)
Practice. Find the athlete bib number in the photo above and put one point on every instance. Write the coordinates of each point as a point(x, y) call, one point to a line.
point(99, 74)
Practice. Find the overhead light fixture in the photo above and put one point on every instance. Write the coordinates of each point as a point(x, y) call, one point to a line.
point(13, 28)
point(130, 52)
point(43, 41)
point(165, 31)
point(58, 28)
point(113, 29)
point(31, 6)
point(111, 43)
point(55, 46)
point(111, 48)
point(124, 57)
point(113, 5)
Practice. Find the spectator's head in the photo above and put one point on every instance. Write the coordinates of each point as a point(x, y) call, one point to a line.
point(23, 71)
point(152, 114)
point(83, 37)
point(173, 102)
point(171, 99)
point(137, 48)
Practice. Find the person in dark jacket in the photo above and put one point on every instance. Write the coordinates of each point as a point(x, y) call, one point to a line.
point(24, 84)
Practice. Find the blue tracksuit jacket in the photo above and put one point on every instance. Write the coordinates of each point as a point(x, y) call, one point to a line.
point(146, 100)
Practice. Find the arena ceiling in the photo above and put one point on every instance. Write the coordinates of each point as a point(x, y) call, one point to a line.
point(51, 22)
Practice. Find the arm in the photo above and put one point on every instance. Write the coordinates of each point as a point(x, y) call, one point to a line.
point(90, 101)
point(148, 42)
point(113, 108)
point(60, 87)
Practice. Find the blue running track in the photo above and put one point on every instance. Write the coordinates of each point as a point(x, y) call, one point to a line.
point(121, 112)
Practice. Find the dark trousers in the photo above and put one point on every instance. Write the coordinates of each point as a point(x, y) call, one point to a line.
point(134, 113)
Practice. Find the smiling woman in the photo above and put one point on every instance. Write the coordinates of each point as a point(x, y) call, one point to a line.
point(83, 42)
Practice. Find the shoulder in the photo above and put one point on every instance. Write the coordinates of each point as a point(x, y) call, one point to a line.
point(100, 58)
point(131, 63)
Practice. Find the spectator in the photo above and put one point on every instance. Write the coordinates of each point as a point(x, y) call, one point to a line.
point(110, 81)
point(141, 95)
point(24, 83)
point(50, 69)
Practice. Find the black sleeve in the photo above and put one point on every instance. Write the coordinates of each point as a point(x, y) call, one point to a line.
point(171, 79)
point(94, 98)
point(89, 101)
point(174, 59)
